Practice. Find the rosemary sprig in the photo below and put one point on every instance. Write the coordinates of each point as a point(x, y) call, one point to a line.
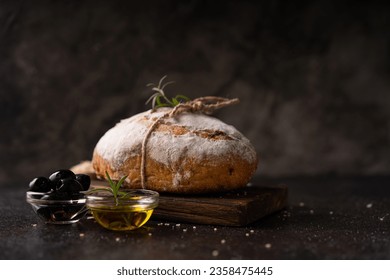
point(159, 99)
point(115, 186)
point(113, 189)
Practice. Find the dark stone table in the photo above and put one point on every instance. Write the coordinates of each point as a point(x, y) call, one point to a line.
point(327, 218)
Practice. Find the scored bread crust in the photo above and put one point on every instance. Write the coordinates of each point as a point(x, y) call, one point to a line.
point(191, 153)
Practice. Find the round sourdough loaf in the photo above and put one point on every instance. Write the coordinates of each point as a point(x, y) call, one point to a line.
point(189, 153)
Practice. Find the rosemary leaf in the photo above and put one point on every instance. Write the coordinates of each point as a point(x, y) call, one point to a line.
point(112, 184)
point(175, 101)
point(159, 99)
point(182, 97)
point(119, 184)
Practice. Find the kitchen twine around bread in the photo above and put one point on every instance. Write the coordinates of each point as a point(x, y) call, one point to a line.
point(206, 105)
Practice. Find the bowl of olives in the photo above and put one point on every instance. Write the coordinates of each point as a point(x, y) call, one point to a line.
point(59, 199)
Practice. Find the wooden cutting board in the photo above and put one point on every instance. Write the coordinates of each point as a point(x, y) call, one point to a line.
point(235, 208)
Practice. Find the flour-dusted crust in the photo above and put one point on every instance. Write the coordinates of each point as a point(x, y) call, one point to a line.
point(189, 153)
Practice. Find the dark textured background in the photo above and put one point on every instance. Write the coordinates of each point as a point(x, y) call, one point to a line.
point(312, 77)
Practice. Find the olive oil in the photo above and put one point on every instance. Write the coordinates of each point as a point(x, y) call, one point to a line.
point(121, 218)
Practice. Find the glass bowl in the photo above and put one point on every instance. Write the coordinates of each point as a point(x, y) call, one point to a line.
point(53, 211)
point(130, 211)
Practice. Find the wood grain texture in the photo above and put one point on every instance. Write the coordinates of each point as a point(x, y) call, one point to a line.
point(236, 208)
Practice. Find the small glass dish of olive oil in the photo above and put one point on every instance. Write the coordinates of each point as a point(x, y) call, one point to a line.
point(128, 211)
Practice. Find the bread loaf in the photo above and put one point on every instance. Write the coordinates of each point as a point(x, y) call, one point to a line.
point(188, 153)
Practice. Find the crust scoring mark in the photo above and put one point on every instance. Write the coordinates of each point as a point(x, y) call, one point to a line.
point(181, 130)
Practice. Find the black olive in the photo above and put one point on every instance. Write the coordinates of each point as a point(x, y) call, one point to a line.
point(70, 186)
point(77, 196)
point(56, 196)
point(40, 184)
point(61, 174)
point(84, 180)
